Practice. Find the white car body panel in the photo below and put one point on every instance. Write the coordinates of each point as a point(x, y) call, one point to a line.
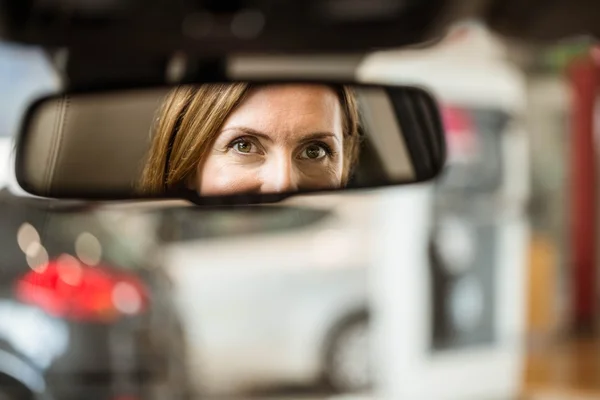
point(257, 317)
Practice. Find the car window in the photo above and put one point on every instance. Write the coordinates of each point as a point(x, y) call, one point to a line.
point(188, 223)
point(83, 232)
point(61, 229)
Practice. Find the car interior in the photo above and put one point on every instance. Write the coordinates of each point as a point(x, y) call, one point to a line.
point(458, 261)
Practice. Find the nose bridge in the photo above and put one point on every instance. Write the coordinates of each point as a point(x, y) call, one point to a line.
point(281, 175)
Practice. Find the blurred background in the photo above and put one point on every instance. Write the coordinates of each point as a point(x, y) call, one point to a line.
point(491, 268)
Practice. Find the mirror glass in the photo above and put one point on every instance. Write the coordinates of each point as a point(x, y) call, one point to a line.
point(229, 139)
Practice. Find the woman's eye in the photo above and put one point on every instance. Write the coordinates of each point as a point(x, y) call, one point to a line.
point(313, 152)
point(243, 146)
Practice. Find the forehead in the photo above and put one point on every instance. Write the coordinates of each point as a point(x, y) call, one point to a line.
point(286, 108)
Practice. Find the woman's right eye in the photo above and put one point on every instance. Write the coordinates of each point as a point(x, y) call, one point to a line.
point(244, 146)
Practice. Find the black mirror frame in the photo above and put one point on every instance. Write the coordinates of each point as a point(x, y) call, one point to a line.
point(414, 148)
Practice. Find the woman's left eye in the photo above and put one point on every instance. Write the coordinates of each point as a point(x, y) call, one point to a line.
point(314, 152)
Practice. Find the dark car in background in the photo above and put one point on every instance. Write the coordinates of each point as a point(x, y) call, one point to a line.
point(82, 314)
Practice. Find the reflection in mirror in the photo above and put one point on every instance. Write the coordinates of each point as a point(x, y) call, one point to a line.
point(229, 139)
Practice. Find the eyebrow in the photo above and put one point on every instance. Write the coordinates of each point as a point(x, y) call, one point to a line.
point(254, 132)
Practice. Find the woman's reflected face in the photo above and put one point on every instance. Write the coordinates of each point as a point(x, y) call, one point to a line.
point(281, 138)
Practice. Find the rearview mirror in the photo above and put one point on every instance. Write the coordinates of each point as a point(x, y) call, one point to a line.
point(240, 141)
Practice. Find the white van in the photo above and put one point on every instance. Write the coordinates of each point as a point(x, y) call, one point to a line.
point(455, 313)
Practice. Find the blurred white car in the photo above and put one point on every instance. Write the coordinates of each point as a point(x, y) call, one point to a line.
point(255, 317)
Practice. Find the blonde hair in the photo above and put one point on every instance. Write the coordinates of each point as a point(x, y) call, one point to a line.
point(190, 119)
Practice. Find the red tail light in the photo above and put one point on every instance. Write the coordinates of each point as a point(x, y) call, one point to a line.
point(69, 289)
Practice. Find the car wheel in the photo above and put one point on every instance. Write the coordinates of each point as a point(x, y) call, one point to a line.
point(6, 396)
point(12, 390)
point(348, 357)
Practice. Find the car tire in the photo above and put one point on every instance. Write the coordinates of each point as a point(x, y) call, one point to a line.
point(347, 364)
point(7, 396)
point(10, 389)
